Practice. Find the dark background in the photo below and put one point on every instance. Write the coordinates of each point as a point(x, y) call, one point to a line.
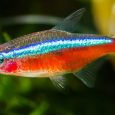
point(37, 96)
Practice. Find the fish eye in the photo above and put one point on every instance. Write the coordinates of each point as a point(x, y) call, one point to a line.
point(1, 61)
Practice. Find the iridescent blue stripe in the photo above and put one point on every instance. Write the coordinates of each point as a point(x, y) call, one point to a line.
point(53, 45)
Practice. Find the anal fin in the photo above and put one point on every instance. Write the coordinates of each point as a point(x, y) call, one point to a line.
point(89, 73)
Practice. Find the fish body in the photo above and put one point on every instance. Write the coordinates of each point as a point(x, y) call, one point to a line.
point(52, 53)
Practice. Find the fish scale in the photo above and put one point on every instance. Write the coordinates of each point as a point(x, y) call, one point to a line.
point(32, 38)
point(54, 44)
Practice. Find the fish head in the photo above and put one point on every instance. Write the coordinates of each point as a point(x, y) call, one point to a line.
point(8, 66)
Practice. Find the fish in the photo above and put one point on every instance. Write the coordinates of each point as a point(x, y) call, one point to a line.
point(56, 52)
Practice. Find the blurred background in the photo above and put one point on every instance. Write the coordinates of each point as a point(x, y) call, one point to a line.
point(27, 96)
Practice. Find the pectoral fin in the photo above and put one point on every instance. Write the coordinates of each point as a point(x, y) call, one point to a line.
point(89, 73)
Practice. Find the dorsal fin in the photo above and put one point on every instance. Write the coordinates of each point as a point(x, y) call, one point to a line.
point(70, 22)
